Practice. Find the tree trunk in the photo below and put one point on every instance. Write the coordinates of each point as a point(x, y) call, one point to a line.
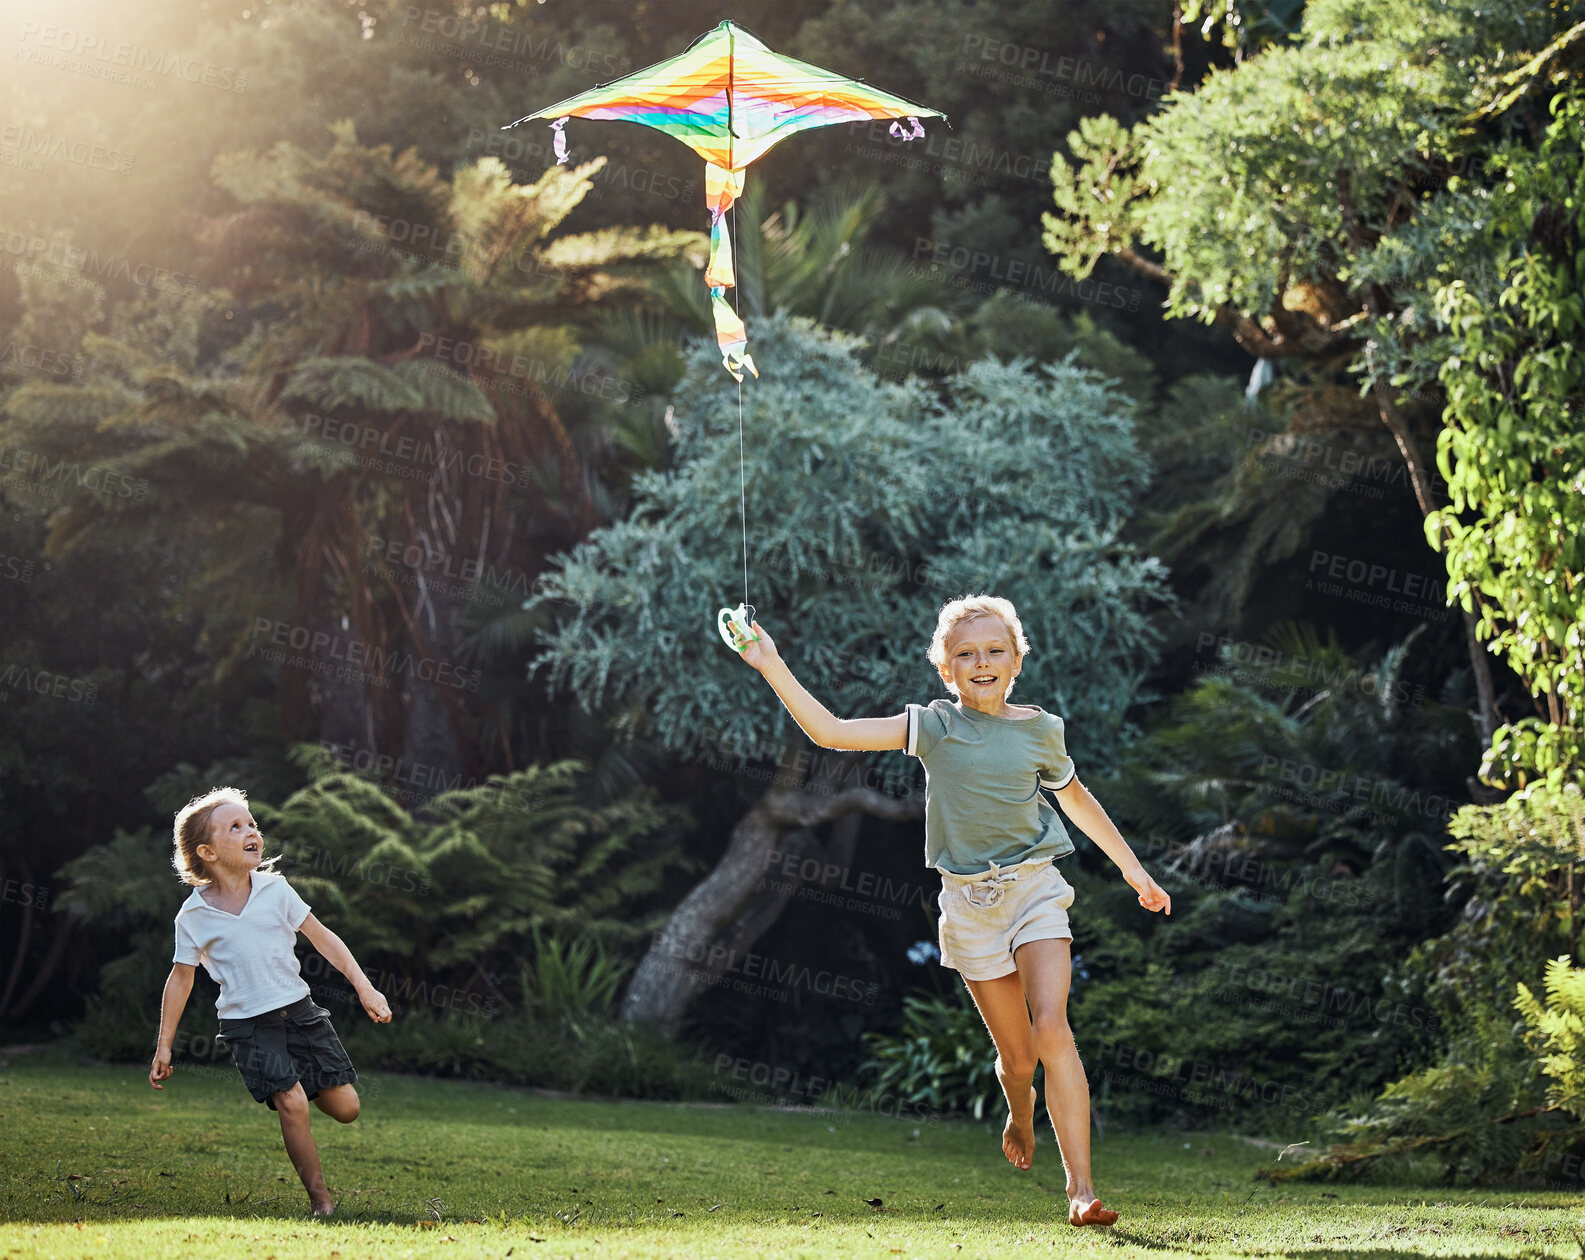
point(44, 972)
point(1486, 719)
point(732, 907)
point(1302, 337)
point(1419, 476)
point(432, 709)
point(24, 937)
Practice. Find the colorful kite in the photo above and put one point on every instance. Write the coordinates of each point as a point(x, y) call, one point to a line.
point(729, 98)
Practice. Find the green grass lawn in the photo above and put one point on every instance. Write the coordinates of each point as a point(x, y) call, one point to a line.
point(94, 1162)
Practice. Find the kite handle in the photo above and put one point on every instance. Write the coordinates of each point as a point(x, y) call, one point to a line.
point(736, 626)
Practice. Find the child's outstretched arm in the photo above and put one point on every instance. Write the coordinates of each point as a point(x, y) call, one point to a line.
point(1091, 819)
point(817, 721)
point(178, 986)
point(340, 957)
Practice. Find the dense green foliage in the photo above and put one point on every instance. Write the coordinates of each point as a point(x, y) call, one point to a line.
point(1392, 192)
point(1555, 1030)
point(1291, 173)
point(495, 921)
point(1513, 451)
point(1380, 194)
point(1318, 200)
point(866, 500)
point(1273, 800)
point(1478, 1110)
point(938, 1058)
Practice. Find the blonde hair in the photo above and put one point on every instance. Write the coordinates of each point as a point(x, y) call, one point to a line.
point(192, 830)
point(966, 606)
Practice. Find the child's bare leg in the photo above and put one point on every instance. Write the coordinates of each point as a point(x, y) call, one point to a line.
point(292, 1106)
point(1001, 1005)
point(339, 1102)
point(1045, 968)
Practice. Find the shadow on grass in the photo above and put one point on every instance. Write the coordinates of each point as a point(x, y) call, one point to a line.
point(1175, 1241)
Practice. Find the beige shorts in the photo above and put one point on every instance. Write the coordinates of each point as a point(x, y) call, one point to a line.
point(985, 917)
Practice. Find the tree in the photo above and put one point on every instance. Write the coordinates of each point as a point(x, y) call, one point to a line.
point(1292, 200)
point(1513, 451)
point(451, 901)
point(869, 505)
point(398, 383)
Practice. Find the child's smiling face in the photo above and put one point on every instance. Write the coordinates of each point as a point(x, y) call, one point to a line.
point(234, 842)
point(982, 662)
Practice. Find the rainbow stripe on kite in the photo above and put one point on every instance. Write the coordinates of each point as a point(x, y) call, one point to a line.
point(729, 98)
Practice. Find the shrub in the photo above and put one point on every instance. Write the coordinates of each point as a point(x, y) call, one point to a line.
point(943, 1057)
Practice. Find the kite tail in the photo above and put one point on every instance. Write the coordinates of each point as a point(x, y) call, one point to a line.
point(731, 336)
point(721, 188)
point(719, 274)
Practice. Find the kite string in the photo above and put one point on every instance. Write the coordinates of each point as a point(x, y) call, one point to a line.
point(742, 476)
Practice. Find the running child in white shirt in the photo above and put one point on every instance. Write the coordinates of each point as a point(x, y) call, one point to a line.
point(993, 837)
point(241, 923)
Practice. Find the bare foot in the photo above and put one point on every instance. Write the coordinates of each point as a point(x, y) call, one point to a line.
point(1089, 1212)
point(1018, 1138)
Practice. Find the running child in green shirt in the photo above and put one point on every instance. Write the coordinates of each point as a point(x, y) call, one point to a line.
point(995, 840)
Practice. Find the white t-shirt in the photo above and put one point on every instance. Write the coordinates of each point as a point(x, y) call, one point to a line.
point(250, 953)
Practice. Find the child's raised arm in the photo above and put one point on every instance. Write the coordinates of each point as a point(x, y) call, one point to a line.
point(178, 986)
point(340, 957)
point(1092, 820)
point(817, 721)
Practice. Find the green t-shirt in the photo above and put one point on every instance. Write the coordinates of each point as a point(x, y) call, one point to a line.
point(983, 777)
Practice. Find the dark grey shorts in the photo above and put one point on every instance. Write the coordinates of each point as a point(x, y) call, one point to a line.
point(279, 1049)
